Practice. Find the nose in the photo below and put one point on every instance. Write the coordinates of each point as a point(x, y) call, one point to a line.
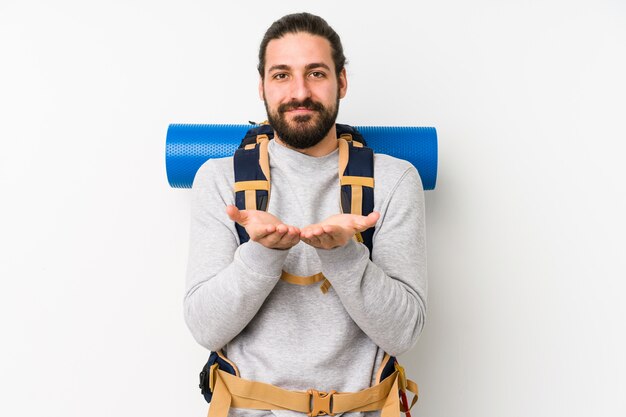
point(300, 89)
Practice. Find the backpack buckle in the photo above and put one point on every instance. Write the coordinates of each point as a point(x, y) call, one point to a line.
point(320, 403)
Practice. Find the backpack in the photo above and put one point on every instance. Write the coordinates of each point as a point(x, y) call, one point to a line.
point(252, 192)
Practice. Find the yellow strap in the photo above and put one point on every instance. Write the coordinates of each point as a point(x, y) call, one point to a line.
point(412, 386)
point(250, 196)
point(299, 280)
point(311, 279)
point(369, 399)
point(344, 154)
point(363, 181)
point(252, 185)
point(221, 400)
point(392, 405)
point(356, 206)
point(241, 393)
point(264, 160)
point(225, 359)
point(402, 375)
point(383, 364)
point(406, 385)
point(325, 286)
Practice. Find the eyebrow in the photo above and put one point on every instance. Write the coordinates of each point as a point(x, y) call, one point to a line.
point(307, 67)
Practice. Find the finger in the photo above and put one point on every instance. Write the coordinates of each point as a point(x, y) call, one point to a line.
point(258, 235)
point(317, 230)
point(306, 233)
point(294, 234)
point(259, 231)
point(291, 238)
point(328, 241)
point(312, 241)
point(272, 239)
point(331, 229)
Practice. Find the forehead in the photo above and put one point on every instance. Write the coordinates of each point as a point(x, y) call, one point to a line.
point(298, 50)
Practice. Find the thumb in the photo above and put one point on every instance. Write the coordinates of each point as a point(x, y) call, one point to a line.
point(368, 221)
point(235, 214)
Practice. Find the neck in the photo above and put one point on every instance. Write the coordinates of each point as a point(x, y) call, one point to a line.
point(324, 147)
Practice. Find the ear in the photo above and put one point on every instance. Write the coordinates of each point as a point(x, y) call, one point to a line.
point(343, 83)
point(261, 88)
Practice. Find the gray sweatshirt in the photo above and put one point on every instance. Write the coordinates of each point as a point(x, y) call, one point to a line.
point(295, 336)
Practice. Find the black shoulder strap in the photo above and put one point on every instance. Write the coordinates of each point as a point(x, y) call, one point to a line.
point(252, 177)
point(356, 177)
point(253, 135)
point(349, 133)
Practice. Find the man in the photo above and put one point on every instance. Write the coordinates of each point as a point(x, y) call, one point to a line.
point(294, 336)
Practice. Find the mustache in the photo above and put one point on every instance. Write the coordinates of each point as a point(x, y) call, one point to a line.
point(307, 104)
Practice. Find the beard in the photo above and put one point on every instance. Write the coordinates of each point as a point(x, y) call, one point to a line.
point(304, 131)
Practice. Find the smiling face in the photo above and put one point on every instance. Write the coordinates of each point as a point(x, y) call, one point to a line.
point(301, 90)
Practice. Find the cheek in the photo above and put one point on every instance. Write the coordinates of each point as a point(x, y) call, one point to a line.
point(330, 95)
point(273, 95)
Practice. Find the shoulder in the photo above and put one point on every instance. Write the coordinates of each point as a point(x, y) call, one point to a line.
point(390, 172)
point(213, 183)
point(215, 172)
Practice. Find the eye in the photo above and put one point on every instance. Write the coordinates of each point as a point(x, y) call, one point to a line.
point(317, 74)
point(280, 76)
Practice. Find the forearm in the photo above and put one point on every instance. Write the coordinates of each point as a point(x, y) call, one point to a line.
point(226, 283)
point(219, 305)
point(390, 309)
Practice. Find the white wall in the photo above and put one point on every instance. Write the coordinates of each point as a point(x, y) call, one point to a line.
point(525, 230)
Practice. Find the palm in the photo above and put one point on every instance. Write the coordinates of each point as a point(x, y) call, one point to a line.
point(265, 228)
point(337, 230)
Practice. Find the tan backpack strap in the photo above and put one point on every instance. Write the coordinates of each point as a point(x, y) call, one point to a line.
point(346, 136)
point(311, 279)
point(225, 359)
point(231, 391)
point(264, 159)
point(299, 280)
point(325, 286)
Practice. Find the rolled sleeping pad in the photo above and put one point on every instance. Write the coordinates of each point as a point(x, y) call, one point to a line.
point(188, 146)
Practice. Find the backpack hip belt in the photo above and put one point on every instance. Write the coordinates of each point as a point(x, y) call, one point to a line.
point(232, 391)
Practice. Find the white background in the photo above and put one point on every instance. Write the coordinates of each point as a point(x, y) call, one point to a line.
point(525, 230)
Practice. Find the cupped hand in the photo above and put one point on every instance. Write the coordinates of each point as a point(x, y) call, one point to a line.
point(337, 230)
point(265, 228)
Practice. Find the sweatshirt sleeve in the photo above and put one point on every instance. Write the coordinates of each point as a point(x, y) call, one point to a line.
point(226, 283)
point(386, 296)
